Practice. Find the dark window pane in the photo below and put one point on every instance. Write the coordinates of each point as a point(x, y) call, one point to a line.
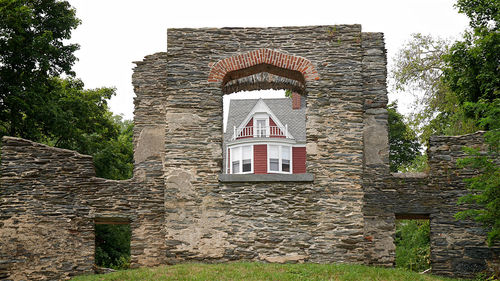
point(285, 165)
point(274, 164)
point(247, 165)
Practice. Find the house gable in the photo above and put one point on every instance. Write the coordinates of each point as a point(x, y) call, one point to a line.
point(262, 107)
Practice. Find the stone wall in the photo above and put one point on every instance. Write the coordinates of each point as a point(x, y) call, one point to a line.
point(320, 221)
point(457, 247)
point(49, 201)
point(181, 209)
point(44, 228)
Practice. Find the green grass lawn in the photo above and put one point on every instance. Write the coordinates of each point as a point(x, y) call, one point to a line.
point(263, 271)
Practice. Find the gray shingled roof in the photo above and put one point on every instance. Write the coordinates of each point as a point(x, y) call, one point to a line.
point(282, 108)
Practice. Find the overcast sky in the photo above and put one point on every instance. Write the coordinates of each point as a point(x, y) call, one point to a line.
point(115, 33)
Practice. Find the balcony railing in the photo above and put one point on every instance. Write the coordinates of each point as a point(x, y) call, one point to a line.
point(260, 132)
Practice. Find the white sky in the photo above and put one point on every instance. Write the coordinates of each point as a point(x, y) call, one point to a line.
point(115, 33)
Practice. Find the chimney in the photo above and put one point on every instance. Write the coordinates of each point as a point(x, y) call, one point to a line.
point(295, 100)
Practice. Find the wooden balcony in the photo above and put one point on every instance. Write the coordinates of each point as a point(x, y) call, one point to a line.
point(261, 132)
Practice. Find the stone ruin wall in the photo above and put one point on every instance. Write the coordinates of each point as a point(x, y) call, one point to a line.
point(179, 210)
point(458, 247)
point(320, 221)
point(50, 200)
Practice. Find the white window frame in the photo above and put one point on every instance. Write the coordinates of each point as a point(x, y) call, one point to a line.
point(280, 157)
point(231, 153)
point(261, 117)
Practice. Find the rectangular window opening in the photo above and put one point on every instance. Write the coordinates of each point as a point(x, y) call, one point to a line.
point(253, 122)
point(413, 242)
point(112, 243)
point(261, 128)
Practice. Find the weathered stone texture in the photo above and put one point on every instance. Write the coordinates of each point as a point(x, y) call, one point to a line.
point(320, 221)
point(180, 209)
point(457, 247)
point(50, 199)
point(44, 229)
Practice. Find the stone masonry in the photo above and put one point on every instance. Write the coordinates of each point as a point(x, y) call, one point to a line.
point(181, 209)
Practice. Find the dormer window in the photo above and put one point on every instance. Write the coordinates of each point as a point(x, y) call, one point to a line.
point(261, 128)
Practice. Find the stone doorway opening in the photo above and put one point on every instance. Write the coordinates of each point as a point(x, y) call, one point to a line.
point(412, 241)
point(112, 243)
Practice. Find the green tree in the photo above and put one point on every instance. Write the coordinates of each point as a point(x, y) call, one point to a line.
point(472, 68)
point(403, 143)
point(418, 70)
point(114, 158)
point(79, 119)
point(36, 104)
point(33, 49)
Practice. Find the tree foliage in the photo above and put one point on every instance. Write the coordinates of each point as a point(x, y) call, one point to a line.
point(114, 157)
point(80, 120)
point(403, 143)
point(418, 70)
point(112, 245)
point(33, 49)
point(481, 13)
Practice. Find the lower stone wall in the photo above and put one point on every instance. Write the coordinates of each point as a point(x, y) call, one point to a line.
point(49, 199)
point(270, 222)
point(45, 232)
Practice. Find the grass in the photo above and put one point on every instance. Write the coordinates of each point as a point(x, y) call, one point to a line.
point(264, 271)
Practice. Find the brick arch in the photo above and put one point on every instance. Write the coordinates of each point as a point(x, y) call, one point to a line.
point(263, 60)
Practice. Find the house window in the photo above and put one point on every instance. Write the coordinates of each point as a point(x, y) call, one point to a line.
point(279, 158)
point(261, 128)
point(285, 159)
point(241, 159)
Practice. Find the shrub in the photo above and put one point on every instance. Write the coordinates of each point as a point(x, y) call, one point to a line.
point(413, 244)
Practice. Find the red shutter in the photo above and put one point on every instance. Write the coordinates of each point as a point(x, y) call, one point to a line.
point(299, 160)
point(260, 158)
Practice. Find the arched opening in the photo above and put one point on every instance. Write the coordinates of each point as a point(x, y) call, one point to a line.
point(264, 135)
point(262, 60)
